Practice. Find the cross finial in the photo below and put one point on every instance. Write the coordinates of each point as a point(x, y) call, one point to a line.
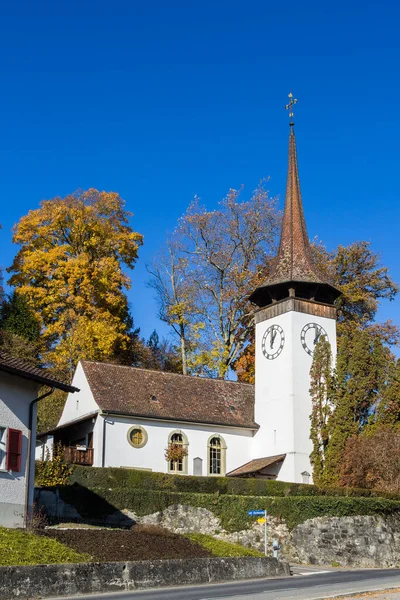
point(289, 107)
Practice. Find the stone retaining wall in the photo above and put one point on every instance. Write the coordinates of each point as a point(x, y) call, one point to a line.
point(66, 580)
point(367, 541)
point(359, 541)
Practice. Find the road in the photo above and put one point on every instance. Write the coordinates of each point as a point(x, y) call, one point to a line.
point(311, 585)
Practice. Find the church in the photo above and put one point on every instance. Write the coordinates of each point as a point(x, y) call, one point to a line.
point(136, 418)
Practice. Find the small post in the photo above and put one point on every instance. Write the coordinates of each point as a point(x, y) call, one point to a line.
point(265, 532)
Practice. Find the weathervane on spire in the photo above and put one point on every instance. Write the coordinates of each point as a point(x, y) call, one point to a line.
point(289, 107)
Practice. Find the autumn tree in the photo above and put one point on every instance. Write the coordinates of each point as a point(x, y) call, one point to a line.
point(356, 270)
point(220, 255)
point(322, 406)
point(170, 280)
point(160, 355)
point(372, 461)
point(70, 269)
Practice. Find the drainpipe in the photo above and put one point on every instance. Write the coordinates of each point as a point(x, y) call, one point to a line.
point(28, 459)
point(103, 451)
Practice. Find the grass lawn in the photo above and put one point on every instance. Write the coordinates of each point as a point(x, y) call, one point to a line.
point(19, 547)
point(221, 548)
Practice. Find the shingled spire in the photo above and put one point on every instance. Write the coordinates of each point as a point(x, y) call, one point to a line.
point(294, 272)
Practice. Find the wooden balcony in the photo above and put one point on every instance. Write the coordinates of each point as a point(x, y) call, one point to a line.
point(77, 456)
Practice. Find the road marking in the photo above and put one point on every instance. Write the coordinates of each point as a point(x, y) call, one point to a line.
point(305, 573)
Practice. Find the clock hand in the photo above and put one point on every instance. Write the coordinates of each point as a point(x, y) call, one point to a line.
point(317, 336)
point(273, 336)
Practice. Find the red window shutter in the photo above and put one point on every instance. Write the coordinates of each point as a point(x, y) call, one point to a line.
point(14, 449)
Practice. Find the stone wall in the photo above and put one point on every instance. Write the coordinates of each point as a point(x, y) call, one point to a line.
point(367, 541)
point(359, 541)
point(66, 580)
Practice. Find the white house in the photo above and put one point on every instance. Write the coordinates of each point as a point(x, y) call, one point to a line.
point(127, 417)
point(19, 388)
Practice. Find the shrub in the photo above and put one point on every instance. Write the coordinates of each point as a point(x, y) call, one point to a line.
point(175, 452)
point(373, 460)
point(113, 477)
point(231, 510)
point(55, 470)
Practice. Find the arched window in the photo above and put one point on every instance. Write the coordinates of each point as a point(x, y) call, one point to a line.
point(216, 455)
point(178, 452)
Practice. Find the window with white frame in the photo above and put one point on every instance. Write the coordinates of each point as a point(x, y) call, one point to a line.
point(177, 452)
point(3, 447)
point(216, 455)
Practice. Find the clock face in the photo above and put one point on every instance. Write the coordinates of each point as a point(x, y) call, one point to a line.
point(273, 341)
point(310, 335)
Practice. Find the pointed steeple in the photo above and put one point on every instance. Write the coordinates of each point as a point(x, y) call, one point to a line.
point(294, 272)
point(294, 261)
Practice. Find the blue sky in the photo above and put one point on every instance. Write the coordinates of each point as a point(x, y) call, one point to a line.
point(163, 100)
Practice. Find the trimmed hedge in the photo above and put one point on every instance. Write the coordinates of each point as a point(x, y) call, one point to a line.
point(231, 509)
point(111, 477)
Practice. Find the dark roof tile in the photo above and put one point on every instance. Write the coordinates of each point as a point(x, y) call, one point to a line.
point(17, 366)
point(258, 464)
point(156, 394)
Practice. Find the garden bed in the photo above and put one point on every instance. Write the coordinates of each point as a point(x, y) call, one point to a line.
point(139, 543)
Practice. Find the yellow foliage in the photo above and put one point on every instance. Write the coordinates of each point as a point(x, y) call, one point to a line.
point(69, 267)
point(55, 470)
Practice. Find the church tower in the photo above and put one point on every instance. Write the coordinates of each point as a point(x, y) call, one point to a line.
point(295, 307)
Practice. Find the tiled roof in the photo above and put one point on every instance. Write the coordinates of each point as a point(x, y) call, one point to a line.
point(17, 366)
point(76, 421)
point(294, 262)
point(169, 396)
point(258, 464)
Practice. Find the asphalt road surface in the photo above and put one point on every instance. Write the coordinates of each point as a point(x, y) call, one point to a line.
point(307, 584)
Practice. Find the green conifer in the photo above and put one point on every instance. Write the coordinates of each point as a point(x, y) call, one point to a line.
point(320, 391)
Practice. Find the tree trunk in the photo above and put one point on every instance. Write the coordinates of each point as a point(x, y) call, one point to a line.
point(183, 352)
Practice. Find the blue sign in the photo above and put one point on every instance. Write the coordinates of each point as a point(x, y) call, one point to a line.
point(256, 513)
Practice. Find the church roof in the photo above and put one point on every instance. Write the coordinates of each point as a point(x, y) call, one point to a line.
point(256, 465)
point(294, 262)
point(168, 396)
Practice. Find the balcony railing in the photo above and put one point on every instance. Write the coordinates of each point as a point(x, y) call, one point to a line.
point(78, 456)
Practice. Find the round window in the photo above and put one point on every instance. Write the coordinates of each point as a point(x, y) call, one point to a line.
point(137, 436)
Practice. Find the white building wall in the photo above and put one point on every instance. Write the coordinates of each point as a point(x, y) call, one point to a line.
point(80, 403)
point(16, 395)
point(120, 453)
point(282, 398)
point(44, 448)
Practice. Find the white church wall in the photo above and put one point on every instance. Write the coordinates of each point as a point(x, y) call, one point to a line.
point(80, 403)
point(282, 399)
point(273, 394)
point(120, 453)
